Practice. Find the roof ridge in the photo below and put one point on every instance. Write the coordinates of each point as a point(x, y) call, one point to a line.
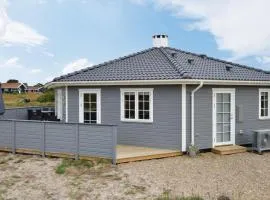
point(175, 65)
point(105, 63)
point(220, 60)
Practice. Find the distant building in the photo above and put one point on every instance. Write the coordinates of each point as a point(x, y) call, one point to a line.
point(13, 87)
point(34, 89)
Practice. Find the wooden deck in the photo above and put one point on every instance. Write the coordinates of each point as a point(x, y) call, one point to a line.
point(229, 149)
point(126, 153)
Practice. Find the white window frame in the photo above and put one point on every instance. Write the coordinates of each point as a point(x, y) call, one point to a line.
point(81, 111)
point(136, 91)
point(260, 103)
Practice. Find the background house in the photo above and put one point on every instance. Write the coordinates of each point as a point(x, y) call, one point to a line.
point(13, 88)
point(34, 89)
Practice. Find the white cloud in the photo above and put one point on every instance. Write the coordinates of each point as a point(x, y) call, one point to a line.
point(35, 71)
point(241, 27)
point(15, 32)
point(10, 63)
point(48, 54)
point(77, 65)
point(42, 1)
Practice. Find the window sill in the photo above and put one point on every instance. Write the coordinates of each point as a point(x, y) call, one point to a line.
point(264, 118)
point(137, 121)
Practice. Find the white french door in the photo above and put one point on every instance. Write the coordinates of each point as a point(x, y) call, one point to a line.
point(89, 106)
point(223, 116)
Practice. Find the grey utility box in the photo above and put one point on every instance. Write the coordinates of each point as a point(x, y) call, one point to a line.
point(261, 140)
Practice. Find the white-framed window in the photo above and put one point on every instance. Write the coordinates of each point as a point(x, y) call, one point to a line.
point(264, 101)
point(137, 104)
point(90, 106)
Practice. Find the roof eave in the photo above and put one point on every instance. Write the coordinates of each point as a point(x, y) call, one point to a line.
point(156, 82)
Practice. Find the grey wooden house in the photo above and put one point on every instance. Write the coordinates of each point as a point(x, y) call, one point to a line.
point(168, 98)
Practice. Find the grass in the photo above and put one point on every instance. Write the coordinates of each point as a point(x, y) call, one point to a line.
point(16, 100)
point(79, 164)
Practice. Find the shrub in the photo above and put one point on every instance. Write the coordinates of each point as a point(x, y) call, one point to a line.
point(47, 96)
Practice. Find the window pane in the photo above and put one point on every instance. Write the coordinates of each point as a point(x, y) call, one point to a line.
point(86, 107)
point(227, 107)
point(132, 96)
point(140, 114)
point(127, 114)
point(93, 98)
point(219, 128)
point(219, 97)
point(132, 114)
point(93, 116)
point(93, 106)
point(127, 105)
point(146, 96)
point(86, 98)
point(226, 118)
point(226, 98)
point(132, 105)
point(146, 115)
point(219, 107)
point(146, 106)
point(227, 128)
point(86, 116)
point(140, 95)
point(141, 106)
point(219, 117)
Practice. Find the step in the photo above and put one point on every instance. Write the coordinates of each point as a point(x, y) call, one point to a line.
point(229, 149)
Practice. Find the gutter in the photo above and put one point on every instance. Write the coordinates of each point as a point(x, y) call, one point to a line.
point(192, 111)
point(156, 82)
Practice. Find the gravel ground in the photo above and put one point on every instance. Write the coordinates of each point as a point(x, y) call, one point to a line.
point(240, 176)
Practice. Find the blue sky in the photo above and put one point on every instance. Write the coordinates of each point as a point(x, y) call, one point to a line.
point(41, 39)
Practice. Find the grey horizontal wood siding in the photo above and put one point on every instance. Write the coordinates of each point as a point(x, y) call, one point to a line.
point(53, 137)
point(246, 97)
point(164, 132)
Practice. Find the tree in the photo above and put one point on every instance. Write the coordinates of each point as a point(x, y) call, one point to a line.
point(12, 81)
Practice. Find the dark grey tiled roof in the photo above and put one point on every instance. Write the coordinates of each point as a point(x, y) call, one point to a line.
point(163, 64)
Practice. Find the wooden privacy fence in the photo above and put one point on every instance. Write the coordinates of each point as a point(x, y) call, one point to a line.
point(58, 139)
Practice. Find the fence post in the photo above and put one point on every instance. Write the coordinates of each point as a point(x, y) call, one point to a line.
point(13, 128)
point(42, 140)
point(77, 140)
point(114, 145)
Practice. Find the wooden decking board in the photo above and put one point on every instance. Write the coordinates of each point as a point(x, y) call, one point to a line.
point(229, 149)
point(126, 153)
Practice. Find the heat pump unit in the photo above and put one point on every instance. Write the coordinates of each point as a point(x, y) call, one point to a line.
point(261, 140)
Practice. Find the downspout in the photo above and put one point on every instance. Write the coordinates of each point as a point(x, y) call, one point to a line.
point(192, 111)
point(66, 104)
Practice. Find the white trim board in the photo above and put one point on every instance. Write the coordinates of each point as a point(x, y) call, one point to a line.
point(81, 112)
point(157, 82)
point(184, 115)
point(232, 136)
point(66, 104)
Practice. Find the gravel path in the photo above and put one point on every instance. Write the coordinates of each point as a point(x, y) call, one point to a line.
point(240, 176)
